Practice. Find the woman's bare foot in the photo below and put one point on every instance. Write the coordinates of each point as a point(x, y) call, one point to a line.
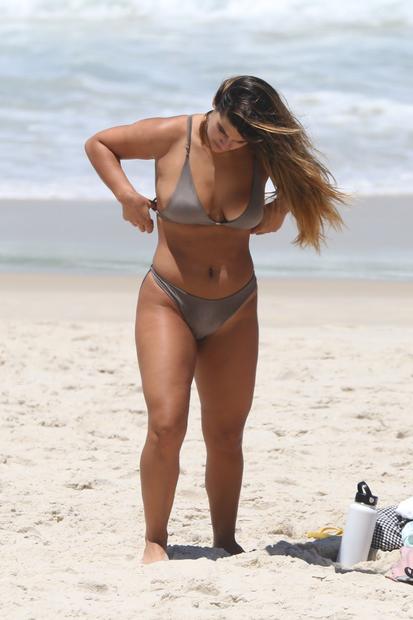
point(230, 546)
point(153, 553)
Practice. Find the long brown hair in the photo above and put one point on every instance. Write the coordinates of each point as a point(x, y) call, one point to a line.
point(303, 184)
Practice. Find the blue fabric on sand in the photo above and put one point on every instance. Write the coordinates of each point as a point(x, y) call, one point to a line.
point(407, 534)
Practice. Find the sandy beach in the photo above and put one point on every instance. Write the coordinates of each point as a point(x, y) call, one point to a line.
point(332, 407)
point(334, 388)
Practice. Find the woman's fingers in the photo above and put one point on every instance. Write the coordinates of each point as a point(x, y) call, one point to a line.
point(260, 229)
point(136, 211)
point(145, 226)
point(147, 222)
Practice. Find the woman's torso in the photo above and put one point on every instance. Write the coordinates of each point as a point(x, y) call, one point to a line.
point(207, 259)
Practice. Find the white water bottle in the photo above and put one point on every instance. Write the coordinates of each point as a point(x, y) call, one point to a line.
point(359, 528)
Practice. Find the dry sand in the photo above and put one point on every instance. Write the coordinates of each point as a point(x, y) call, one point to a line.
point(332, 406)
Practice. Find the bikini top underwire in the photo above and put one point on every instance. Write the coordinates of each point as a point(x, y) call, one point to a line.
point(184, 206)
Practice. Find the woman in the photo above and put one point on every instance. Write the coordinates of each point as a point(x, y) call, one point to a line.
point(197, 305)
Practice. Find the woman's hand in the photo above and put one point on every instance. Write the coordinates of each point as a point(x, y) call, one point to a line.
point(272, 220)
point(136, 211)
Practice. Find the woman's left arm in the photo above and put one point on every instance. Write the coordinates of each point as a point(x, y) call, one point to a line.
point(273, 218)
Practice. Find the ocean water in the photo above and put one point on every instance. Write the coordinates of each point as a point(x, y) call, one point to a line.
point(91, 237)
point(69, 69)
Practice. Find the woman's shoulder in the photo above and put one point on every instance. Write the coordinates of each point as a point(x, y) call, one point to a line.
point(172, 126)
point(167, 130)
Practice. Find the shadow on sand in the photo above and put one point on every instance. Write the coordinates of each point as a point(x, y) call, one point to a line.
point(192, 552)
point(322, 552)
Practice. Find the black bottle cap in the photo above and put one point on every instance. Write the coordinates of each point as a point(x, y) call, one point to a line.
point(364, 495)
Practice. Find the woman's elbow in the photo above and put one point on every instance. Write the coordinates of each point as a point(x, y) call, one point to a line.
point(88, 145)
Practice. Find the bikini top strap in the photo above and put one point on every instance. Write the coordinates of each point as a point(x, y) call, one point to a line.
point(188, 134)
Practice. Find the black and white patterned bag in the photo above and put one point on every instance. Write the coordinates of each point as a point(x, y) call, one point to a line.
point(387, 532)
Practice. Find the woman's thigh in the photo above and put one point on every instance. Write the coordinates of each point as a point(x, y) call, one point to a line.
point(166, 350)
point(225, 373)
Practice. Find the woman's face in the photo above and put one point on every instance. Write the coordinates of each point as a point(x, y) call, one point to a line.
point(223, 136)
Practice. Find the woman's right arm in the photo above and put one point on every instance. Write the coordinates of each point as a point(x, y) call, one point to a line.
point(146, 139)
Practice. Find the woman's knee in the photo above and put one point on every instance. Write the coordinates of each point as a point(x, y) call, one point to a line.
point(167, 431)
point(224, 438)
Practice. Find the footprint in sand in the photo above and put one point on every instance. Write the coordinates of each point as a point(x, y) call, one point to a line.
point(93, 587)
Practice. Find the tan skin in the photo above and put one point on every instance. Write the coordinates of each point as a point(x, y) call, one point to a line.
point(208, 261)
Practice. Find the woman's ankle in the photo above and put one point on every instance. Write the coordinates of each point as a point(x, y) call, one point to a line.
point(162, 541)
